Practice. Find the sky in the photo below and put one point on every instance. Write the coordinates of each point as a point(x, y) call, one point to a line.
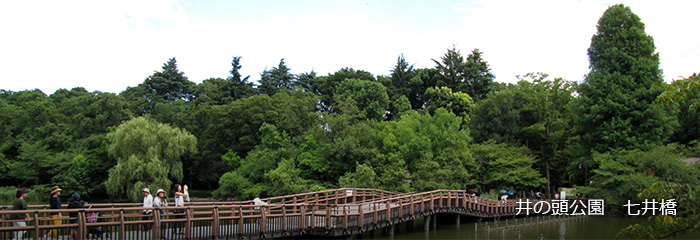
point(111, 45)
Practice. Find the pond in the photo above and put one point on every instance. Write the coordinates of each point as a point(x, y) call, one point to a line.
point(579, 227)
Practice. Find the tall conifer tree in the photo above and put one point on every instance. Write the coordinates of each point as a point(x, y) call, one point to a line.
point(616, 107)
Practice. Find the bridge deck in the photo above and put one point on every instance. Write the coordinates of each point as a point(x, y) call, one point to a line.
point(335, 212)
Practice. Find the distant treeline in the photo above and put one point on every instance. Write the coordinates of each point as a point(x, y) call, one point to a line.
point(448, 127)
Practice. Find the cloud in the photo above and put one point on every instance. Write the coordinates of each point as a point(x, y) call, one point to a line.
point(553, 36)
point(108, 46)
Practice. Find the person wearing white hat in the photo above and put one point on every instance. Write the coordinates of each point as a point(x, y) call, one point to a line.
point(147, 203)
point(160, 202)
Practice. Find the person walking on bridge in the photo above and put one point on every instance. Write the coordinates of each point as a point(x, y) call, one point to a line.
point(147, 203)
point(19, 204)
point(76, 203)
point(179, 213)
point(55, 203)
point(161, 202)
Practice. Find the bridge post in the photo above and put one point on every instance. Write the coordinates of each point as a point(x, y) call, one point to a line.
point(426, 223)
point(302, 223)
point(458, 219)
point(434, 221)
point(391, 230)
point(360, 217)
point(214, 224)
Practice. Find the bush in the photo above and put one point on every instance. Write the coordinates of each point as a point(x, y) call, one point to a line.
point(7, 195)
point(38, 194)
point(200, 193)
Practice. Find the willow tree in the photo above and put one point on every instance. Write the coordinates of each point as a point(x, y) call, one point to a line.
point(148, 155)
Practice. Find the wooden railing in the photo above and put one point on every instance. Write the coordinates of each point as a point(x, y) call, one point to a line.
point(335, 212)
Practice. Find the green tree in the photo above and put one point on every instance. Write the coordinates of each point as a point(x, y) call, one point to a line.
point(501, 166)
point(325, 86)
point(425, 78)
point(451, 66)
point(478, 79)
point(499, 116)
point(165, 86)
point(435, 149)
point(237, 86)
point(213, 91)
point(148, 154)
point(170, 84)
point(370, 97)
point(622, 175)
point(685, 94)
point(363, 177)
point(444, 97)
point(277, 79)
point(472, 76)
point(616, 107)
point(665, 226)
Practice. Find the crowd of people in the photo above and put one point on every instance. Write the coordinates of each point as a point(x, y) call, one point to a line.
point(160, 201)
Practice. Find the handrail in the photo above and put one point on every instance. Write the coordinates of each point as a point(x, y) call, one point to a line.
point(339, 211)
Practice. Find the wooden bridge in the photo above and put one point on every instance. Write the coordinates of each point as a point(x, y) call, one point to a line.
point(338, 212)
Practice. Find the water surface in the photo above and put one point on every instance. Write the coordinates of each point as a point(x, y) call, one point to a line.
point(582, 227)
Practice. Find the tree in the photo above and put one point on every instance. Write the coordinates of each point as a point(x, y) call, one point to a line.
point(501, 166)
point(239, 87)
point(622, 175)
point(478, 79)
point(325, 86)
point(616, 107)
point(170, 84)
point(425, 78)
point(363, 177)
point(684, 94)
point(401, 76)
point(370, 97)
point(166, 86)
point(664, 226)
point(277, 79)
point(451, 66)
point(443, 97)
point(148, 154)
point(499, 116)
point(472, 76)
point(401, 84)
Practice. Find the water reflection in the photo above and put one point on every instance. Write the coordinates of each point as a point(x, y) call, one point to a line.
point(533, 227)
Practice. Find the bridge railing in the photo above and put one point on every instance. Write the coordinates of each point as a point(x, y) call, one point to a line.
point(339, 210)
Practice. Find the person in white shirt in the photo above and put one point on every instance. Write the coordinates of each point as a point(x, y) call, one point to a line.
point(161, 202)
point(147, 203)
point(179, 213)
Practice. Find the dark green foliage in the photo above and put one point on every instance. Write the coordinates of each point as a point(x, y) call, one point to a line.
point(478, 79)
point(500, 166)
point(370, 97)
point(616, 107)
point(170, 84)
point(684, 94)
point(325, 87)
point(238, 87)
point(443, 97)
point(166, 86)
point(278, 79)
point(669, 226)
point(623, 175)
point(472, 76)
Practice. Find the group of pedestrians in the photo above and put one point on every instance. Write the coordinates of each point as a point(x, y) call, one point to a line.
point(55, 203)
point(160, 202)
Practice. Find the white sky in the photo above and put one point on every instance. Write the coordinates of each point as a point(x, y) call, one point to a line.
point(108, 46)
